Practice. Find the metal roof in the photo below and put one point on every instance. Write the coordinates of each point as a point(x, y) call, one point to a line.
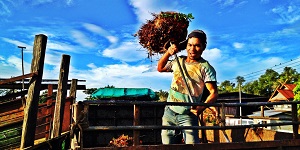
point(285, 93)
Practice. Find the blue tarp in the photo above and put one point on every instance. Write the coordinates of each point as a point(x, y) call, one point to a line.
point(127, 93)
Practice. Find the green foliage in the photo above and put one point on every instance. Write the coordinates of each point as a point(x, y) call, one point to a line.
point(89, 92)
point(289, 75)
point(268, 82)
point(296, 92)
point(162, 95)
point(240, 80)
point(264, 85)
point(109, 86)
point(179, 16)
point(226, 87)
point(44, 96)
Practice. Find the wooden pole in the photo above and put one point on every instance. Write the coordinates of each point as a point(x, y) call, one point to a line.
point(136, 122)
point(30, 110)
point(73, 89)
point(262, 111)
point(295, 119)
point(60, 97)
point(72, 94)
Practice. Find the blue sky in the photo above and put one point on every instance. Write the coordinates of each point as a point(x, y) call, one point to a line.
point(245, 37)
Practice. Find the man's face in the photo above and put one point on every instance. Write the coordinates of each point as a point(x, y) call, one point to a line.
point(194, 49)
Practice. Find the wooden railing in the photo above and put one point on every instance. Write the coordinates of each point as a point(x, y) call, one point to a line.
point(85, 127)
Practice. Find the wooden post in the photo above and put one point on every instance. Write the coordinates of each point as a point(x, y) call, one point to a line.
point(136, 122)
point(73, 89)
point(60, 97)
point(295, 119)
point(30, 110)
point(72, 94)
point(262, 111)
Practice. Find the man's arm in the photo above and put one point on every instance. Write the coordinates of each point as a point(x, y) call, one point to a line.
point(213, 92)
point(161, 65)
point(212, 97)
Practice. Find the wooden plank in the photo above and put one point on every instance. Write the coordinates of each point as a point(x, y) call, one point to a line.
point(43, 86)
point(30, 110)
point(13, 95)
point(60, 97)
point(18, 78)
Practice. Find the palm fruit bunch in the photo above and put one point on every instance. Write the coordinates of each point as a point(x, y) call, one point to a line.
point(164, 27)
point(121, 141)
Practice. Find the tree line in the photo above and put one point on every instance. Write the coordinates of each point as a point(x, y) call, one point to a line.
point(265, 85)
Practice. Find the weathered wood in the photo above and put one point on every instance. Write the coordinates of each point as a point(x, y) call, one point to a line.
point(73, 89)
point(262, 112)
point(12, 96)
point(295, 119)
point(61, 97)
point(18, 78)
point(30, 111)
point(43, 86)
point(49, 110)
point(136, 122)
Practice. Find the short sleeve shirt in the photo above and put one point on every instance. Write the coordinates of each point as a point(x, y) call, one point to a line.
point(196, 75)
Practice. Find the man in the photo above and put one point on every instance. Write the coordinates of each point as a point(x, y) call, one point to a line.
point(198, 74)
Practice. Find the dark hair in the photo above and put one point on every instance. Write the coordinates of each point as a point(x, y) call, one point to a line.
point(197, 34)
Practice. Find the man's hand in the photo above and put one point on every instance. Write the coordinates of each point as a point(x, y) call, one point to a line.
point(172, 49)
point(198, 110)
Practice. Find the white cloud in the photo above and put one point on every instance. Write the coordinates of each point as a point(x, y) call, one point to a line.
point(212, 54)
point(53, 59)
point(288, 14)
point(59, 46)
point(41, 2)
point(69, 2)
point(266, 49)
point(271, 61)
point(127, 51)
point(82, 39)
point(17, 43)
point(16, 63)
point(231, 3)
point(92, 66)
point(1, 58)
point(144, 8)
point(264, 1)
point(238, 45)
point(122, 75)
point(4, 7)
point(101, 31)
point(228, 2)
